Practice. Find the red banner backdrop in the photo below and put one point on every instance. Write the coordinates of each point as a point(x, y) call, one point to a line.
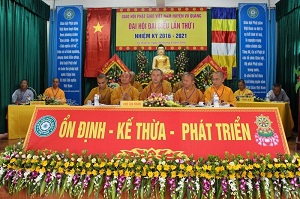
point(197, 131)
point(97, 40)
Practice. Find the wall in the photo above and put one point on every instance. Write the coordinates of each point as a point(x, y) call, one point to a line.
point(154, 3)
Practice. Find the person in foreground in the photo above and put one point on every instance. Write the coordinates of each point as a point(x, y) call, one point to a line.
point(157, 85)
point(242, 91)
point(102, 90)
point(134, 83)
point(55, 92)
point(124, 92)
point(23, 94)
point(278, 94)
point(189, 94)
point(224, 93)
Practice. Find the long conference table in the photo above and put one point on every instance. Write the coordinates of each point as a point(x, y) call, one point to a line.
point(284, 111)
point(19, 117)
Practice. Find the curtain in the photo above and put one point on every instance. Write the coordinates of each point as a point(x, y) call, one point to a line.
point(23, 48)
point(271, 49)
point(288, 49)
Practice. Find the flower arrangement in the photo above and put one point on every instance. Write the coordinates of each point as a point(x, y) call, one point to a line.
point(48, 100)
point(181, 64)
point(142, 63)
point(148, 176)
point(204, 79)
point(159, 100)
point(155, 100)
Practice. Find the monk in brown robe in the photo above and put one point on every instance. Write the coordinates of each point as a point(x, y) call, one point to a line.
point(157, 85)
point(188, 94)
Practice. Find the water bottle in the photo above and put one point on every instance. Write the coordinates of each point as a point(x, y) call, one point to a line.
point(216, 100)
point(96, 100)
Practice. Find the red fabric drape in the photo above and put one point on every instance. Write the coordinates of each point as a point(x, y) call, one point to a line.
point(97, 40)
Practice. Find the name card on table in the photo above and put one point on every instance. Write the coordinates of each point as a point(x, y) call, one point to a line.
point(197, 131)
point(246, 99)
point(132, 104)
point(36, 103)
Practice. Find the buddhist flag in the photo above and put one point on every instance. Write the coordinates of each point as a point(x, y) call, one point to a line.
point(224, 38)
point(97, 40)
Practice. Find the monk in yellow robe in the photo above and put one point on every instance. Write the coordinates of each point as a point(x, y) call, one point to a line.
point(157, 85)
point(124, 92)
point(188, 94)
point(161, 61)
point(243, 91)
point(102, 90)
point(134, 83)
point(224, 93)
point(55, 92)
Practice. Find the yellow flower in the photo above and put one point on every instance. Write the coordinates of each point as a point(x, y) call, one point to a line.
point(116, 164)
point(150, 174)
point(250, 175)
point(60, 170)
point(124, 165)
point(83, 172)
point(102, 164)
point(163, 174)
point(269, 175)
point(71, 164)
point(166, 167)
point(72, 171)
point(262, 174)
point(96, 165)
point(66, 164)
point(189, 168)
point(159, 167)
point(108, 172)
point(282, 175)
point(127, 173)
point(156, 174)
point(12, 160)
point(180, 174)
point(232, 176)
point(181, 166)
point(173, 174)
point(87, 165)
point(116, 173)
point(44, 163)
point(130, 165)
point(256, 165)
point(173, 167)
point(101, 172)
point(43, 170)
point(276, 174)
point(121, 172)
point(270, 166)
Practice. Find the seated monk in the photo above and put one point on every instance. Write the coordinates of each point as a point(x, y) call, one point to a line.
point(188, 94)
point(102, 90)
point(124, 92)
point(224, 93)
point(243, 91)
point(55, 92)
point(134, 83)
point(161, 61)
point(157, 85)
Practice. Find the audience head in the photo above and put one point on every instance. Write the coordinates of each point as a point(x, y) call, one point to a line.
point(241, 84)
point(125, 78)
point(276, 88)
point(101, 81)
point(218, 78)
point(188, 80)
point(23, 84)
point(55, 82)
point(156, 76)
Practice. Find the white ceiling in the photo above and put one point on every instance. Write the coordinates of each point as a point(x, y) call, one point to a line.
point(155, 3)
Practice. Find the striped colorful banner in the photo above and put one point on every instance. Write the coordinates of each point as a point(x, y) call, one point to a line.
point(224, 38)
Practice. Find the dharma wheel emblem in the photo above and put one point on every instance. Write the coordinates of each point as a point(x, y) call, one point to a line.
point(265, 134)
point(45, 126)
